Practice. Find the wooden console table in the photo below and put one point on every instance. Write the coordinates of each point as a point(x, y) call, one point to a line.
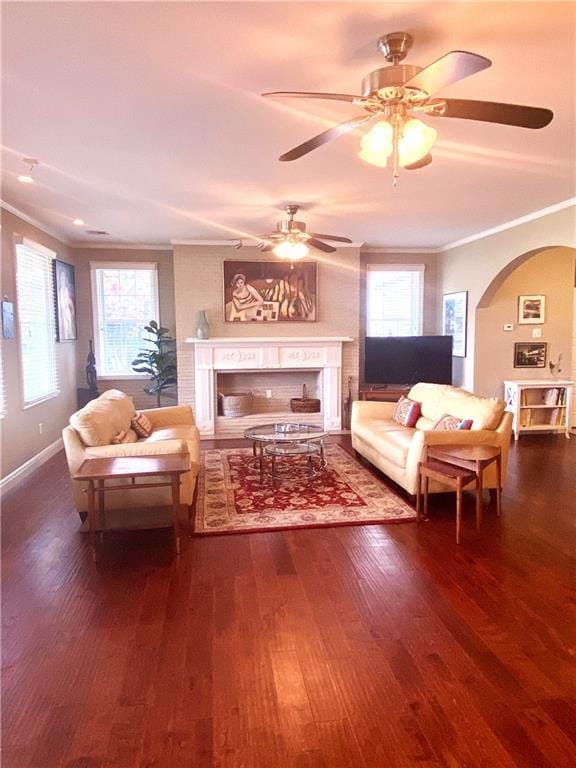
point(96, 471)
point(385, 395)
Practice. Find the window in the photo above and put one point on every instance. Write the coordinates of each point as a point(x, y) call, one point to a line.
point(2, 390)
point(395, 295)
point(124, 300)
point(35, 293)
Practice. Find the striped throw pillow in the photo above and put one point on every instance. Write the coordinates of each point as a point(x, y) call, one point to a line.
point(141, 424)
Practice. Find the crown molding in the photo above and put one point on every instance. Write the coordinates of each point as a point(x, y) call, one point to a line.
point(34, 222)
point(253, 244)
point(399, 251)
point(511, 224)
point(89, 245)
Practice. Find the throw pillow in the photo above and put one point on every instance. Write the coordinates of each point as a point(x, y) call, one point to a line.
point(141, 424)
point(120, 437)
point(406, 412)
point(124, 436)
point(448, 423)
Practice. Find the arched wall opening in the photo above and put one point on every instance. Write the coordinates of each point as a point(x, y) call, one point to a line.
point(547, 271)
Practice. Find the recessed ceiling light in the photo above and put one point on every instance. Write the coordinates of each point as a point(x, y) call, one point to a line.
point(79, 222)
point(27, 178)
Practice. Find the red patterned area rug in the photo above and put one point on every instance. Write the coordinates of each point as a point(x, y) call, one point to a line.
point(231, 498)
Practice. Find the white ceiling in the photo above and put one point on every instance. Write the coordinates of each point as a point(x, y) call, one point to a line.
point(147, 120)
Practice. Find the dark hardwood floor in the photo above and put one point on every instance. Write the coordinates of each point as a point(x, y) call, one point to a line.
point(373, 646)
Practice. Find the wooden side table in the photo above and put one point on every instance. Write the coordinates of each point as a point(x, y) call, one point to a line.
point(476, 458)
point(97, 471)
point(450, 475)
point(384, 394)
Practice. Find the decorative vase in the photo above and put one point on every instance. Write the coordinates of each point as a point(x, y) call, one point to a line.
point(202, 327)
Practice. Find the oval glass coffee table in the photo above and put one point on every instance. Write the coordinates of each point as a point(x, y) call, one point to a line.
point(283, 439)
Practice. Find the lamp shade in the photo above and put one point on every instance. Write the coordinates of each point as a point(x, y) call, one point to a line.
point(377, 144)
point(416, 139)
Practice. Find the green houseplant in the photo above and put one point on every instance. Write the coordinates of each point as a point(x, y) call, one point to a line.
point(157, 359)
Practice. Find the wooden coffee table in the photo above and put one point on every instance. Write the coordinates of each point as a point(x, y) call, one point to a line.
point(475, 458)
point(97, 471)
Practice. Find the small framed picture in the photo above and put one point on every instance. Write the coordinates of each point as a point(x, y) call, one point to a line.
point(531, 309)
point(529, 355)
point(65, 290)
point(454, 317)
point(8, 319)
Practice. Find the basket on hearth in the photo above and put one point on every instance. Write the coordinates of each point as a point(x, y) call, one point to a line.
point(236, 403)
point(304, 404)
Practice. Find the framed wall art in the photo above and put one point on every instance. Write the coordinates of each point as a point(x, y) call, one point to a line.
point(65, 290)
point(530, 355)
point(454, 320)
point(270, 291)
point(531, 309)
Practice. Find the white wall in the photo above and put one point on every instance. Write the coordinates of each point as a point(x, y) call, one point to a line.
point(474, 267)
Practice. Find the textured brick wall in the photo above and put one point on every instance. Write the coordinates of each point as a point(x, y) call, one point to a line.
point(198, 278)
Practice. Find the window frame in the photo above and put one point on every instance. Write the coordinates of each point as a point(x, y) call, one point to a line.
point(151, 266)
point(51, 255)
point(397, 267)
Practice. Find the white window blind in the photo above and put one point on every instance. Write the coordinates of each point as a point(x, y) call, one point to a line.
point(35, 294)
point(124, 300)
point(395, 297)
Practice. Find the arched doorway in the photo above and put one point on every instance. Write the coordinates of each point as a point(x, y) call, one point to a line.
point(547, 271)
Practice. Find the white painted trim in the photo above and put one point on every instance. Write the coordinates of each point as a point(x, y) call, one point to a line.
point(19, 474)
point(34, 222)
point(511, 224)
point(231, 243)
point(91, 246)
point(387, 250)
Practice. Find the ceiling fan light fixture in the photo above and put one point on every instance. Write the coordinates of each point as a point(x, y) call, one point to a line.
point(291, 248)
point(416, 141)
point(377, 144)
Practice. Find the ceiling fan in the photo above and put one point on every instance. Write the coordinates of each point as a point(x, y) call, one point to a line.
point(290, 240)
point(396, 93)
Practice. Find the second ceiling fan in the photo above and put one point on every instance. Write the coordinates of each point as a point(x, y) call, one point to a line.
point(290, 240)
point(396, 93)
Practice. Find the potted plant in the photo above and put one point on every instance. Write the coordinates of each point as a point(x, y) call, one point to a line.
point(158, 360)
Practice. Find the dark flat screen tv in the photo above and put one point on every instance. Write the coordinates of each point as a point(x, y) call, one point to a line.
point(407, 360)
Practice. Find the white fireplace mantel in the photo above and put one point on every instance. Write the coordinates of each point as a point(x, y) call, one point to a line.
point(323, 353)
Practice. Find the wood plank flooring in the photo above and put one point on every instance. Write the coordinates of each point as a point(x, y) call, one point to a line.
point(361, 647)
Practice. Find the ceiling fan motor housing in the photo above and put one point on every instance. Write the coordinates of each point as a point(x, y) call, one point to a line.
point(289, 226)
point(378, 82)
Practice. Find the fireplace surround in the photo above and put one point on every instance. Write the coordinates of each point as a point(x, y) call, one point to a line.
point(257, 355)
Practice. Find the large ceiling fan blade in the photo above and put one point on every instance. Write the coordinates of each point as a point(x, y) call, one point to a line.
point(330, 237)
point(312, 95)
point(494, 112)
point(320, 245)
point(448, 69)
point(325, 137)
point(422, 163)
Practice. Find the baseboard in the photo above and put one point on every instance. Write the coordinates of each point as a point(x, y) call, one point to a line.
point(19, 474)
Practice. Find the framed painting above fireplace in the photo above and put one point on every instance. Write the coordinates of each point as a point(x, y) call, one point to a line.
point(270, 291)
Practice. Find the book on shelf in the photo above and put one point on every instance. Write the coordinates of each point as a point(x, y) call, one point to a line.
point(552, 396)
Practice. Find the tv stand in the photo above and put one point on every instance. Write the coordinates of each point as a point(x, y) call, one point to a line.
point(387, 393)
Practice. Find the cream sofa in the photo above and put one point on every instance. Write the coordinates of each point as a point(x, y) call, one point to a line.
point(93, 428)
point(396, 450)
